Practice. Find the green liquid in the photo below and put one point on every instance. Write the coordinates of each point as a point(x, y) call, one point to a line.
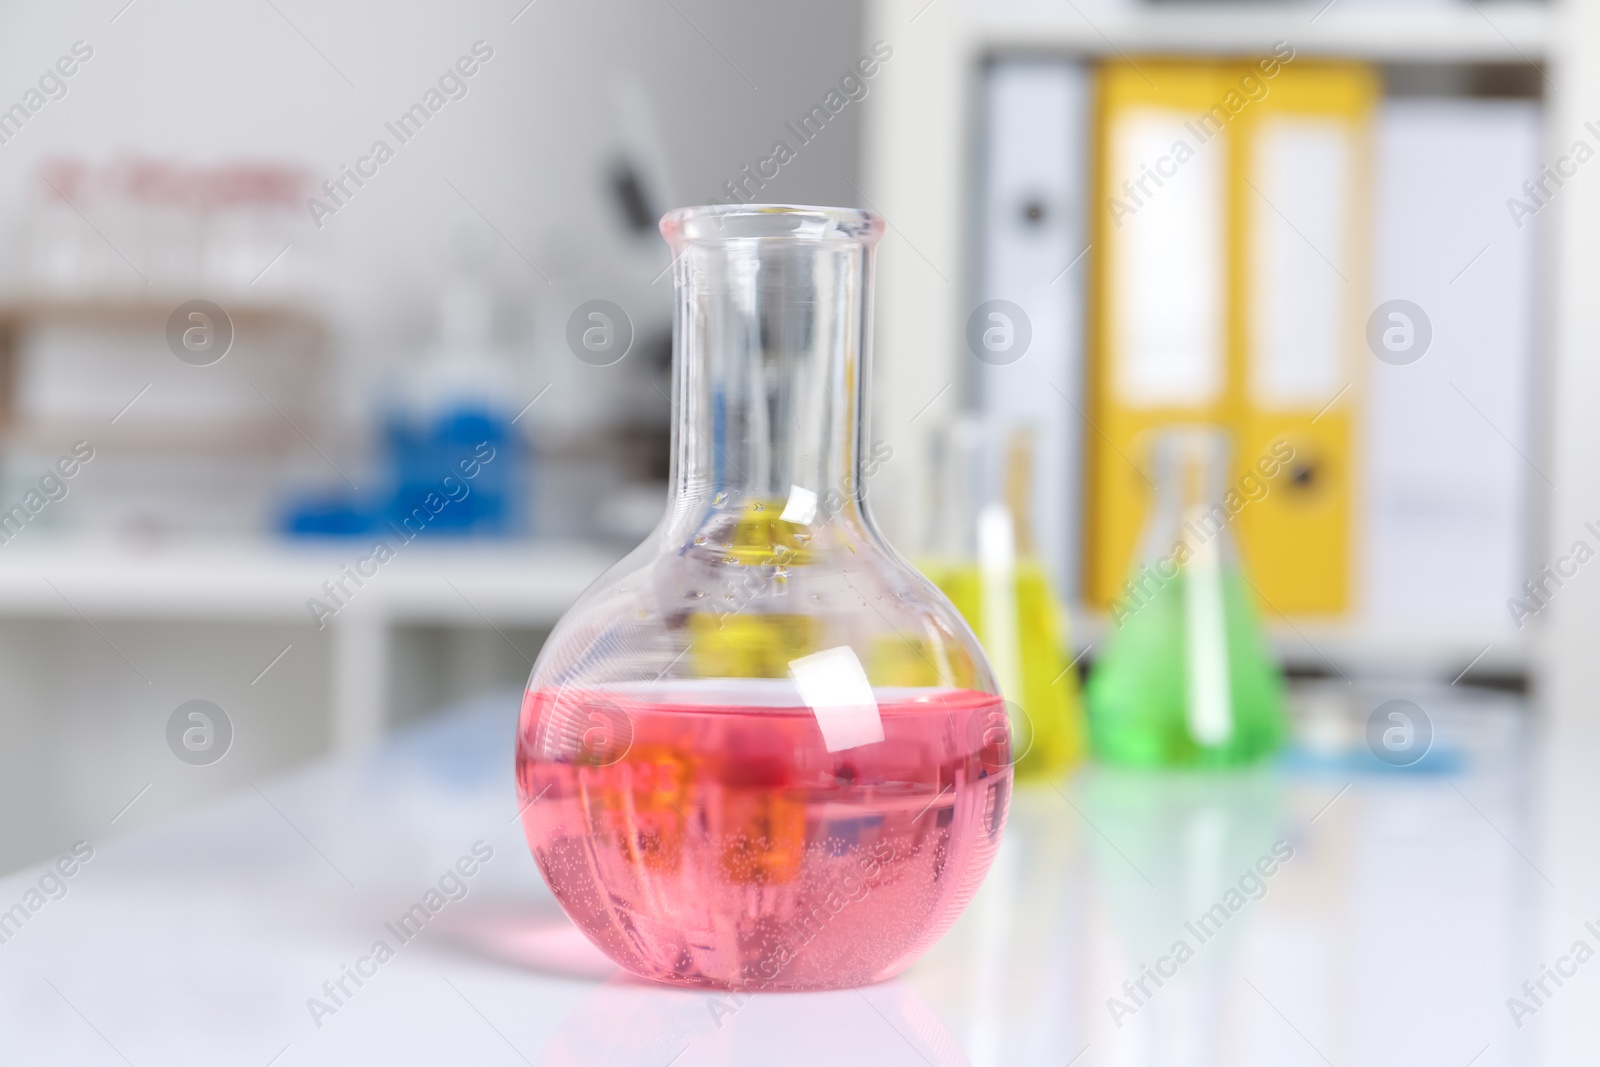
point(1138, 693)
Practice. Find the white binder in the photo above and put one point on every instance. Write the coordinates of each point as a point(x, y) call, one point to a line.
point(1449, 448)
point(1032, 236)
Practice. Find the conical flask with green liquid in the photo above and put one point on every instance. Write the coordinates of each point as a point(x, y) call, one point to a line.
point(1184, 679)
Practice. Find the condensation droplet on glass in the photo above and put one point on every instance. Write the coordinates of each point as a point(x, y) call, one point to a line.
point(760, 506)
point(700, 540)
point(719, 500)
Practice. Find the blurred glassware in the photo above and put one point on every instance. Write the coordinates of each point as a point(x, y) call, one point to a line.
point(982, 554)
point(454, 417)
point(134, 249)
point(453, 460)
point(164, 227)
point(1185, 679)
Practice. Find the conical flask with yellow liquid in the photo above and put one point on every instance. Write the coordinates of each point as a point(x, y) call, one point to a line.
point(1185, 678)
point(982, 554)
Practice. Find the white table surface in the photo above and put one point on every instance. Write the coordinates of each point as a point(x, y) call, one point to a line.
point(1413, 907)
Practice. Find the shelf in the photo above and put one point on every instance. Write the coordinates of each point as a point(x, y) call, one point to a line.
point(122, 308)
point(528, 584)
point(1356, 649)
point(1517, 32)
point(235, 437)
point(514, 583)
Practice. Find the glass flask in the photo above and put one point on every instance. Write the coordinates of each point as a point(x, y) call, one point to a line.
point(762, 751)
point(1185, 679)
point(981, 554)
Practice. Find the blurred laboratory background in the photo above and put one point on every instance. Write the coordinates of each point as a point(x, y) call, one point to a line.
point(1233, 375)
point(229, 465)
point(269, 267)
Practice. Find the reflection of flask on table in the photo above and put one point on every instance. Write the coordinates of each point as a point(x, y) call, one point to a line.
point(983, 557)
point(1196, 866)
point(1185, 679)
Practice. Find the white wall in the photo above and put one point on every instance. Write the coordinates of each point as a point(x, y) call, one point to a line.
point(527, 146)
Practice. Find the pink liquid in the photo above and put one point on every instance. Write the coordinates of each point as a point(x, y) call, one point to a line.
point(721, 844)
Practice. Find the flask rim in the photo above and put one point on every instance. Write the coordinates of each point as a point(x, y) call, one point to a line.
point(715, 223)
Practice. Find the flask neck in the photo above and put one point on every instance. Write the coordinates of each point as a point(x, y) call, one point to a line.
point(1190, 517)
point(771, 357)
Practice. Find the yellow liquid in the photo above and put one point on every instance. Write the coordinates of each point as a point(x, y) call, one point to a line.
point(736, 642)
point(749, 645)
point(1050, 734)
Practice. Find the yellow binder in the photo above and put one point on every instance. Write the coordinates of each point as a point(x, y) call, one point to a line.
point(1303, 212)
point(1200, 304)
point(1159, 284)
